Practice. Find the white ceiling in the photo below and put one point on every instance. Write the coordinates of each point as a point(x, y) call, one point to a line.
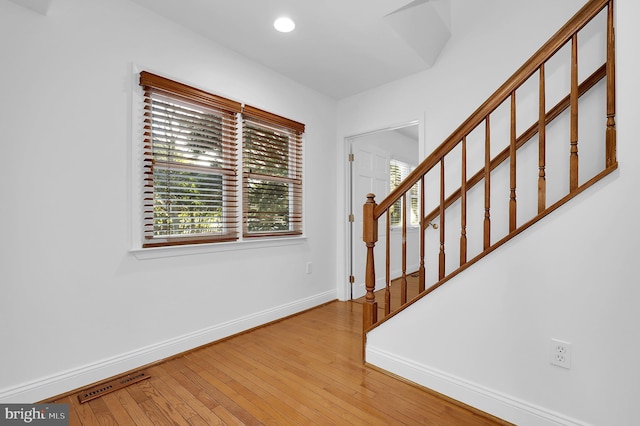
point(339, 47)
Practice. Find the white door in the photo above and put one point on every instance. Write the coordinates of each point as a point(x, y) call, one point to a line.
point(370, 174)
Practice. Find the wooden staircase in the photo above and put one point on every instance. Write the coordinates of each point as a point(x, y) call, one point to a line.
point(491, 140)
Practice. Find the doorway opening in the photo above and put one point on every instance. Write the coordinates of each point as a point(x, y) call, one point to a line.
point(372, 157)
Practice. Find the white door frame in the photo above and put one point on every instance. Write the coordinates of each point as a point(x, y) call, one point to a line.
point(351, 205)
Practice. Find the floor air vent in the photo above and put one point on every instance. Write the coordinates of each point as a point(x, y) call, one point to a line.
point(111, 386)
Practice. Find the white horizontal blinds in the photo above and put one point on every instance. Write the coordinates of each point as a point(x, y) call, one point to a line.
point(190, 157)
point(398, 171)
point(272, 174)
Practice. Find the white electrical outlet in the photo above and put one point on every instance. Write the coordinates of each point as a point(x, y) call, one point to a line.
point(308, 268)
point(560, 353)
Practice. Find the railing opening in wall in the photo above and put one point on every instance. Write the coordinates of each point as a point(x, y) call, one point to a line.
point(521, 184)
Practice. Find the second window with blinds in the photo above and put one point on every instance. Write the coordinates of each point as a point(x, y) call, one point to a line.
point(271, 174)
point(398, 171)
point(190, 160)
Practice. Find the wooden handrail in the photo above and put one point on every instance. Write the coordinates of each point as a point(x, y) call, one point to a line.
point(372, 211)
point(553, 113)
point(555, 43)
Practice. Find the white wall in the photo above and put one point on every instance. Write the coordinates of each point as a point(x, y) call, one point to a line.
point(76, 305)
point(484, 337)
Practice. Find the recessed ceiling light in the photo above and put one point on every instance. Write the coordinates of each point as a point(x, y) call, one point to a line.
point(284, 25)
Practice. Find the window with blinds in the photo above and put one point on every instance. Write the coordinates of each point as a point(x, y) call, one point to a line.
point(190, 164)
point(272, 174)
point(191, 191)
point(398, 171)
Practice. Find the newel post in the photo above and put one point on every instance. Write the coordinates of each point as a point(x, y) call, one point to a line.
point(370, 237)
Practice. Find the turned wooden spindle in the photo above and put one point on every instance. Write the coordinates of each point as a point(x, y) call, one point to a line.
point(421, 269)
point(403, 278)
point(512, 166)
point(463, 205)
point(487, 183)
point(542, 141)
point(611, 160)
point(441, 256)
point(573, 161)
point(387, 280)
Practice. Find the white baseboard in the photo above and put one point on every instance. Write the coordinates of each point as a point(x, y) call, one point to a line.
point(65, 381)
point(488, 400)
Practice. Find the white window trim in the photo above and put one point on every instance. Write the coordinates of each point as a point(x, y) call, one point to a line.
point(410, 226)
point(193, 249)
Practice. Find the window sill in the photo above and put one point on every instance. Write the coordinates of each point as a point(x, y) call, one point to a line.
point(186, 250)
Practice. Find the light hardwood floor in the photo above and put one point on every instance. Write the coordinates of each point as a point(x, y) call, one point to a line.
point(303, 370)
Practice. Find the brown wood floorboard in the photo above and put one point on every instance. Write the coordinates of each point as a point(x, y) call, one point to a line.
point(303, 370)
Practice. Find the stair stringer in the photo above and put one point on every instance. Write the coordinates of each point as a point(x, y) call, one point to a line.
point(483, 338)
